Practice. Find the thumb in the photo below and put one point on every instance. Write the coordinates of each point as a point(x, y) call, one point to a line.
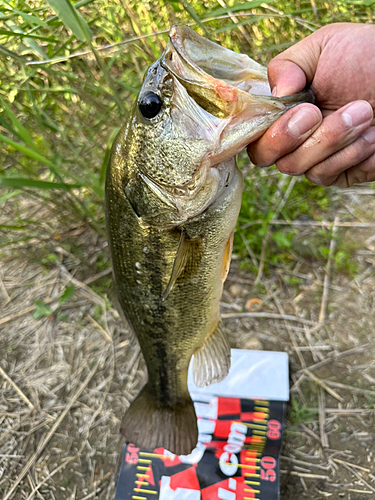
point(290, 71)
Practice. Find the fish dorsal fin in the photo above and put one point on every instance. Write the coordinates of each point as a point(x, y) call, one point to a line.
point(180, 260)
point(227, 257)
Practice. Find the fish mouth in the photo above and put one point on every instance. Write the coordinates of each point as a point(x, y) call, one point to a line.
point(218, 79)
point(211, 86)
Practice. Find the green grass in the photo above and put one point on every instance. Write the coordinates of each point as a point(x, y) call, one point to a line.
point(300, 414)
point(68, 78)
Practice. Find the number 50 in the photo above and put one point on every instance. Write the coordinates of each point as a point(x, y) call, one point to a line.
point(267, 473)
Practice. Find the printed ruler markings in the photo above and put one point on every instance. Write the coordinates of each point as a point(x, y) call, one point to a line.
point(138, 490)
point(261, 410)
point(140, 483)
point(154, 455)
point(258, 432)
point(254, 460)
point(242, 466)
point(253, 426)
point(260, 415)
point(259, 428)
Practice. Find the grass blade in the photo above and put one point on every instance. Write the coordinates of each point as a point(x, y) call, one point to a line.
point(189, 9)
point(7, 196)
point(21, 131)
point(29, 152)
point(72, 19)
point(25, 35)
point(29, 18)
point(365, 3)
point(21, 182)
point(234, 8)
point(30, 41)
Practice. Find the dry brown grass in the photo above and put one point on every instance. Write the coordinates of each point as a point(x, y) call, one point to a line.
point(66, 379)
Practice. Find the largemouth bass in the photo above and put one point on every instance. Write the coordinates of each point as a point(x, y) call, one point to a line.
point(173, 195)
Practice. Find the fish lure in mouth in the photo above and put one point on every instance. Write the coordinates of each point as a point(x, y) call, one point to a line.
point(173, 194)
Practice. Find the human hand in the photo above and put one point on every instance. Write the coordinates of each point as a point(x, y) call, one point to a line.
point(334, 146)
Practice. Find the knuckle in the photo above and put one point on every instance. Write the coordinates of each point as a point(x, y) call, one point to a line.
point(341, 160)
point(334, 134)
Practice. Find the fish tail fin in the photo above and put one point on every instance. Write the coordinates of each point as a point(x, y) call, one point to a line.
point(150, 425)
point(212, 361)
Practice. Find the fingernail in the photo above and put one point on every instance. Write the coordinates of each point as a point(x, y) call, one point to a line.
point(369, 135)
point(274, 92)
point(357, 113)
point(304, 120)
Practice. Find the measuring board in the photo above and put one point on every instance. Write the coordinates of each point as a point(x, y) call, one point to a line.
point(240, 434)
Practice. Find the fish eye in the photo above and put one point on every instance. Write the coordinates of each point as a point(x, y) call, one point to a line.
point(150, 105)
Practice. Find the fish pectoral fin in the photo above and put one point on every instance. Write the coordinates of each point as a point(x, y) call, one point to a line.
point(184, 250)
point(127, 193)
point(227, 257)
point(212, 361)
point(149, 425)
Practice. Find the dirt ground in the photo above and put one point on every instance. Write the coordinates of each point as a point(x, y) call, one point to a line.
point(69, 366)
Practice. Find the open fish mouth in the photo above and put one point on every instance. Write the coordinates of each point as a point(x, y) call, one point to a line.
point(218, 82)
point(218, 79)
